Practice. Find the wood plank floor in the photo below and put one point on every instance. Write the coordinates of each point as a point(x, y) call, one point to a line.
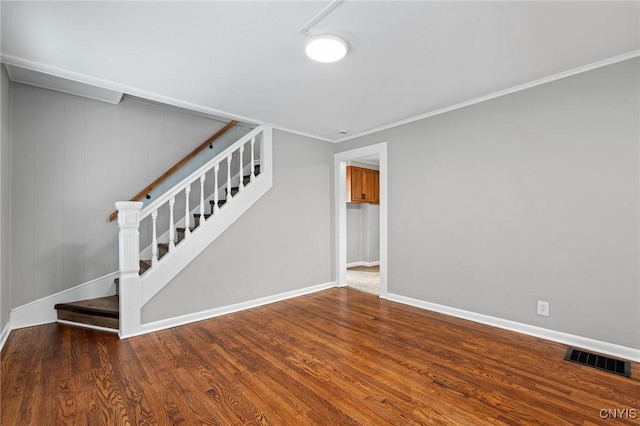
point(338, 357)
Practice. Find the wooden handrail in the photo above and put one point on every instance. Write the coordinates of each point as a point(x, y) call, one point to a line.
point(177, 166)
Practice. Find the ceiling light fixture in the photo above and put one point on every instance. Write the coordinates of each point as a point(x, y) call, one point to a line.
point(326, 48)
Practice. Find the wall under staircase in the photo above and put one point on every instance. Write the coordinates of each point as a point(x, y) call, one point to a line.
point(135, 289)
point(272, 262)
point(279, 248)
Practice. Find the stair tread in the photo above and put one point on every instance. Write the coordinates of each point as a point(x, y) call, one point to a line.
point(102, 306)
point(191, 228)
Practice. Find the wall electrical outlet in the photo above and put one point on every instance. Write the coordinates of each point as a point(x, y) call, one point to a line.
point(543, 308)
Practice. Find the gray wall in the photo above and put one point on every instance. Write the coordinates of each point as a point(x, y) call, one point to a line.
point(354, 233)
point(5, 192)
point(531, 196)
point(284, 242)
point(363, 232)
point(72, 159)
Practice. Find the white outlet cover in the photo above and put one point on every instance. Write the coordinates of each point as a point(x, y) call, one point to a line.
point(543, 308)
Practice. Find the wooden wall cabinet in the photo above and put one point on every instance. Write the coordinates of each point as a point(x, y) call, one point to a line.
point(363, 185)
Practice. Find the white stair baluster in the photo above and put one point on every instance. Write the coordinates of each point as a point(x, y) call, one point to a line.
point(253, 161)
point(154, 238)
point(187, 221)
point(172, 225)
point(216, 168)
point(202, 178)
point(241, 170)
point(229, 196)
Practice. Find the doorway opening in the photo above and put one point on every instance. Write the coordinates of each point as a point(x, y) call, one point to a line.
point(364, 278)
point(361, 228)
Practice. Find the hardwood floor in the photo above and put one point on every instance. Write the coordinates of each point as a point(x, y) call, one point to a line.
point(339, 357)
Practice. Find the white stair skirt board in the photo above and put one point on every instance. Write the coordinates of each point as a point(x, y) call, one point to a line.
point(42, 311)
point(164, 238)
point(169, 266)
point(224, 310)
point(5, 335)
point(606, 348)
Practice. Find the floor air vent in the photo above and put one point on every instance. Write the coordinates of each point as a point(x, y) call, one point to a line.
point(600, 362)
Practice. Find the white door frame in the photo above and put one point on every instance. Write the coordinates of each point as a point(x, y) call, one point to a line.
point(340, 167)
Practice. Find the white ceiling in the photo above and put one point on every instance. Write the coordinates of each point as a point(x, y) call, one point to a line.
point(246, 59)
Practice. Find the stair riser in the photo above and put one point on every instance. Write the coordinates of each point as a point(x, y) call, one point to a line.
point(162, 250)
point(89, 319)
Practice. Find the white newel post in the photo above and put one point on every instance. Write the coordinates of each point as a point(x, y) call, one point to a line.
point(129, 260)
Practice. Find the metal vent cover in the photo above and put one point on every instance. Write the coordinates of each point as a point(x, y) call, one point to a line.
point(600, 362)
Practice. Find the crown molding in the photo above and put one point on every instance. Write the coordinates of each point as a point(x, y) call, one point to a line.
point(127, 90)
point(579, 70)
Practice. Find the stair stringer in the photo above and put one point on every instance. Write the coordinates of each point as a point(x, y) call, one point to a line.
point(184, 253)
point(135, 290)
point(146, 253)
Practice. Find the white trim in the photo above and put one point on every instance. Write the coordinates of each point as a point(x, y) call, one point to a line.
point(301, 133)
point(132, 91)
point(340, 170)
point(41, 311)
point(83, 78)
point(86, 79)
point(5, 334)
point(178, 188)
point(89, 326)
point(361, 263)
point(47, 81)
point(166, 269)
point(164, 238)
point(579, 70)
point(306, 29)
point(543, 333)
point(224, 310)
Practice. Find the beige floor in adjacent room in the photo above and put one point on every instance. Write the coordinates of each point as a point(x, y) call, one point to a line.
point(364, 278)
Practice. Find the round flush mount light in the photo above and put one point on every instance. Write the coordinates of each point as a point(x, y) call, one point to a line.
point(326, 48)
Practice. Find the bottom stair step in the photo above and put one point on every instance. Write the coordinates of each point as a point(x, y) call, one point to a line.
point(102, 312)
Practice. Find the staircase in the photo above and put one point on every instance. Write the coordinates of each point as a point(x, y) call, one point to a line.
point(106, 313)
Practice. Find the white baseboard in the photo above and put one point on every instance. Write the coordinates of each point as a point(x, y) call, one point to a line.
point(41, 311)
point(211, 313)
point(89, 326)
point(367, 264)
point(5, 334)
point(543, 333)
